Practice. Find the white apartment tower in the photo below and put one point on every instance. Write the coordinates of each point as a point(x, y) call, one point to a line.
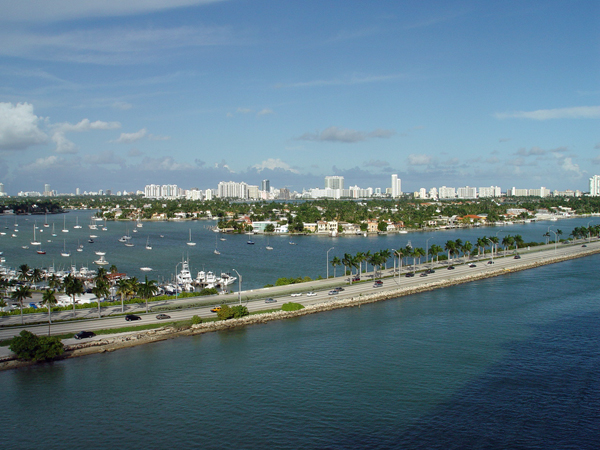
point(595, 186)
point(396, 186)
point(334, 182)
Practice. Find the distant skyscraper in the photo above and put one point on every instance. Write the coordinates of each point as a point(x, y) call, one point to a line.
point(265, 185)
point(396, 186)
point(595, 186)
point(334, 182)
point(77, 191)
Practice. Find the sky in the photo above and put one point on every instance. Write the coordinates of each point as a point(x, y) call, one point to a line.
point(116, 95)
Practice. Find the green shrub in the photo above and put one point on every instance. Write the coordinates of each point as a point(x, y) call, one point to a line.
point(196, 320)
point(239, 311)
point(30, 347)
point(225, 313)
point(291, 306)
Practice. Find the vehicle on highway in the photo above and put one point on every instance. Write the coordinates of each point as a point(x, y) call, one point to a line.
point(517, 257)
point(84, 335)
point(297, 294)
point(163, 316)
point(333, 292)
point(215, 309)
point(409, 275)
point(356, 279)
point(339, 289)
point(378, 283)
point(311, 294)
point(423, 274)
point(472, 265)
point(451, 267)
point(430, 271)
point(490, 262)
point(270, 300)
point(584, 245)
point(129, 317)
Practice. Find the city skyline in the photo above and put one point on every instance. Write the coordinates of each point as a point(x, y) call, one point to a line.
point(194, 92)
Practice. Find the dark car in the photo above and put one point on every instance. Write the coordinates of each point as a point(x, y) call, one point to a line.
point(339, 289)
point(517, 256)
point(129, 317)
point(84, 335)
point(409, 275)
point(356, 279)
point(584, 245)
point(270, 300)
point(430, 271)
point(378, 283)
point(490, 262)
point(451, 267)
point(163, 316)
point(472, 265)
point(423, 274)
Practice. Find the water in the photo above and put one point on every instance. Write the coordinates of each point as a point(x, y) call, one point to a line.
point(507, 362)
point(257, 265)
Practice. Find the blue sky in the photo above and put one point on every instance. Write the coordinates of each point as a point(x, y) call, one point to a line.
point(117, 95)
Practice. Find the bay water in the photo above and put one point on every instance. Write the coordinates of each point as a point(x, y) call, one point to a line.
point(511, 362)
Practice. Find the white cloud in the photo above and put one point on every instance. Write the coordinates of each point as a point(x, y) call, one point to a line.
point(86, 125)
point(568, 165)
point(163, 164)
point(41, 164)
point(348, 81)
point(264, 112)
point(43, 10)
point(123, 106)
point(420, 160)
point(104, 157)
point(19, 127)
point(272, 164)
point(576, 112)
point(63, 145)
point(335, 134)
point(128, 138)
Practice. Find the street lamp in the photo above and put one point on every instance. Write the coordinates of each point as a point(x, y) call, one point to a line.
point(239, 286)
point(327, 262)
point(394, 254)
point(555, 239)
point(427, 249)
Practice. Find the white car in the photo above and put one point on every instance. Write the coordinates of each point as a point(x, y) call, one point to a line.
point(311, 294)
point(296, 294)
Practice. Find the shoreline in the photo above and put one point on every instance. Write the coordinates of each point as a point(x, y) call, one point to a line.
point(117, 342)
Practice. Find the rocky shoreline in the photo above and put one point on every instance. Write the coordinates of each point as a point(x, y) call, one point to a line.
point(113, 343)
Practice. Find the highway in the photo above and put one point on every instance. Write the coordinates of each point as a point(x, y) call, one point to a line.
point(87, 319)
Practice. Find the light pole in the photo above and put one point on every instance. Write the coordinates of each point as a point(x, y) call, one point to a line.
point(239, 286)
point(327, 266)
point(494, 244)
point(394, 254)
point(177, 284)
point(555, 240)
point(427, 249)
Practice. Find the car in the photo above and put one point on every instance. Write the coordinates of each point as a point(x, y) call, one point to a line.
point(517, 257)
point(430, 271)
point(472, 265)
point(584, 245)
point(163, 316)
point(129, 317)
point(378, 283)
point(215, 309)
point(270, 300)
point(333, 292)
point(356, 279)
point(451, 267)
point(311, 294)
point(296, 294)
point(490, 262)
point(84, 335)
point(409, 275)
point(339, 289)
point(423, 274)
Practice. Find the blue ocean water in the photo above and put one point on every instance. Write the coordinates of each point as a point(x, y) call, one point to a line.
point(510, 362)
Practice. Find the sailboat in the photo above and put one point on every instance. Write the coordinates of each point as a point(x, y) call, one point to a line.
point(46, 224)
point(268, 247)
point(53, 232)
point(65, 252)
point(190, 241)
point(40, 251)
point(35, 241)
point(64, 230)
point(148, 246)
point(217, 252)
point(77, 223)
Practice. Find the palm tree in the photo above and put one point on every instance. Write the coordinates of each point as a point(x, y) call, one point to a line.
point(36, 275)
point(23, 272)
point(101, 274)
point(481, 244)
point(49, 299)
point(133, 285)
point(100, 291)
point(359, 258)
point(335, 262)
point(20, 294)
point(385, 254)
point(450, 247)
point(436, 250)
point(507, 241)
point(518, 241)
point(113, 269)
point(467, 247)
point(347, 261)
point(123, 290)
point(73, 287)
point(147, 289)
point(494, 240)
point(54, 283)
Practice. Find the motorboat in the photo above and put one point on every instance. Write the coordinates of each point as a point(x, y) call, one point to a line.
point(101, 261)
point(146, 269)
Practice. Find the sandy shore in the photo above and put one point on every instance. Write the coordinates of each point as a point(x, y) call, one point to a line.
point(126, 340)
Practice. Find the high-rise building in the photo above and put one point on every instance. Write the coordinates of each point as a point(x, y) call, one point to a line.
point(396, 186)
point(265, 185)
point(334, 182)
point(595, 186)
